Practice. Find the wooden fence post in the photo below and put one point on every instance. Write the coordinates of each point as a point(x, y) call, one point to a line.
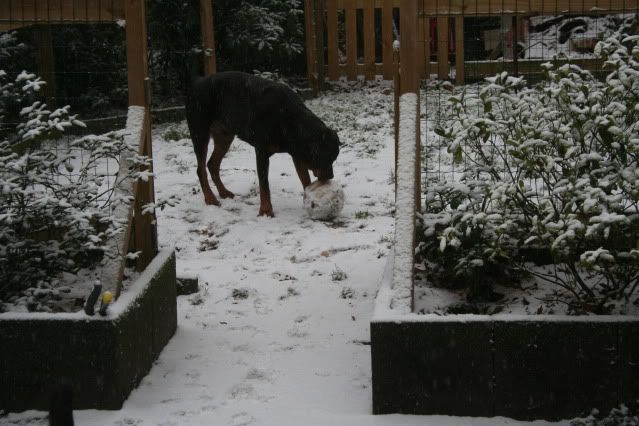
point(318, 30)
point(351, 40)
point(331, 39)
point(145, 236)
point(396, 92)
point(208, 36)
point(388, 55)
point(311, 60)
point(442, 47)
point(459, 50)
point(45, 61)
point(410, 84)
point(369, 40)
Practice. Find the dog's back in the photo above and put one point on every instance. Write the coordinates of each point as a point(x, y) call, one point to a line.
point(241, 102)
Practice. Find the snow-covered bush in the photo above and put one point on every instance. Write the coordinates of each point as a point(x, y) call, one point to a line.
point(549, 167)
point(260, 34)
point(55, 210)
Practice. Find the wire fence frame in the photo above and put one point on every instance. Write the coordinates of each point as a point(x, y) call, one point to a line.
point(141, 228)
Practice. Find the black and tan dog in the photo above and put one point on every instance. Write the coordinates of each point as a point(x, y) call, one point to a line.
point(267, 115)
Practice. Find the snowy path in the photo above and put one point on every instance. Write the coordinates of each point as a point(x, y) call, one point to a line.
point(278, 334)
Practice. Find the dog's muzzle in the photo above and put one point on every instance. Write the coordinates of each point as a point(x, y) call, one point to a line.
point(323, 174)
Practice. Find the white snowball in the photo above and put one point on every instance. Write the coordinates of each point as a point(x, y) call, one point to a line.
point(323, 201)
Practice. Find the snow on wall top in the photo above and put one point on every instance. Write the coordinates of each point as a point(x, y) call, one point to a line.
point(126, 301)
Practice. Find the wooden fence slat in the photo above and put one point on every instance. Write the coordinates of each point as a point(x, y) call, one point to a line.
point(20, 13)
point(318, 30)
point(67, 10)
point(80, 10)
point(332, 33)
point(427, 38)
point(94, 10)
point(408, 47)
point(136, 52)
point(360, 69)
point(459, 49)
point(359, 4)
point(311, 60)
point(369, 39)
point(442, 47)
point(5, 9)
point(498, 7)
point(351, 41)
point(387, 38)
point(54, 10)
point(208, 36)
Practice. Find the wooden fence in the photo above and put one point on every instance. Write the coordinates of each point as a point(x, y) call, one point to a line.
point(141, 234)
point(352, 38)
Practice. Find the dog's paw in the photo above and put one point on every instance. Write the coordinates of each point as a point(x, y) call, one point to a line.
point(226, 194)
point(266, 212)
point(210, 200)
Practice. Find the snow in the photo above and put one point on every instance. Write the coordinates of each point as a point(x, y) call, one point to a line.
point(121, 305)
point(405, 205)
point(124, 191)
point(271, 338)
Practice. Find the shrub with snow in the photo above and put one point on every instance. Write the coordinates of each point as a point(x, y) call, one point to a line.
point(55, 210)
point(552, 167)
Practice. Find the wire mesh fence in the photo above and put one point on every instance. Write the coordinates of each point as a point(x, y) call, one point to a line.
point(472, 47)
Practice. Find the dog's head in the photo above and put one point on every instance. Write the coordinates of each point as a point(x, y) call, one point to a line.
point(324, 154)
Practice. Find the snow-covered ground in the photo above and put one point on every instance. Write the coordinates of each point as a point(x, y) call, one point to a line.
point(279, 332)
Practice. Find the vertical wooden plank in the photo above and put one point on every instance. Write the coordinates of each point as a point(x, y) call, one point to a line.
point(351, 40)
point(442, 47)
point(136, 51)
point(396, 92)
point(80, 12)
point(387, 38)
point(106, 11)
point(459, 50)
point(45, 61)
point(28, 10)
point(427, 39)
point(332, 34)
point(41, 11)
point(514, 41)
point(5, 9)
point(311, 62)
point(67, 10)
point(208, 36)
point(369, 38)
point(318, 25)
point(136, 37)
point(410, 82)
point(93, 10)
point(54, 10)
point(117, 8)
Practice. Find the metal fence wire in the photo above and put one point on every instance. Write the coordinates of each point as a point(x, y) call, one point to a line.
point(460, 50)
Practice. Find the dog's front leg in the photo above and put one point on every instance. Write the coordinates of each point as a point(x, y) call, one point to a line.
point(302, 173)
point(266, 209)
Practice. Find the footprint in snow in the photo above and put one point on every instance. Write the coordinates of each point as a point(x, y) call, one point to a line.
point(259, 375)
point(242, 419)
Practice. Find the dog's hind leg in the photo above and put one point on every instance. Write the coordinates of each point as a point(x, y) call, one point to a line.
point(221, 143)
point(262, 157)
point(201, 146)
